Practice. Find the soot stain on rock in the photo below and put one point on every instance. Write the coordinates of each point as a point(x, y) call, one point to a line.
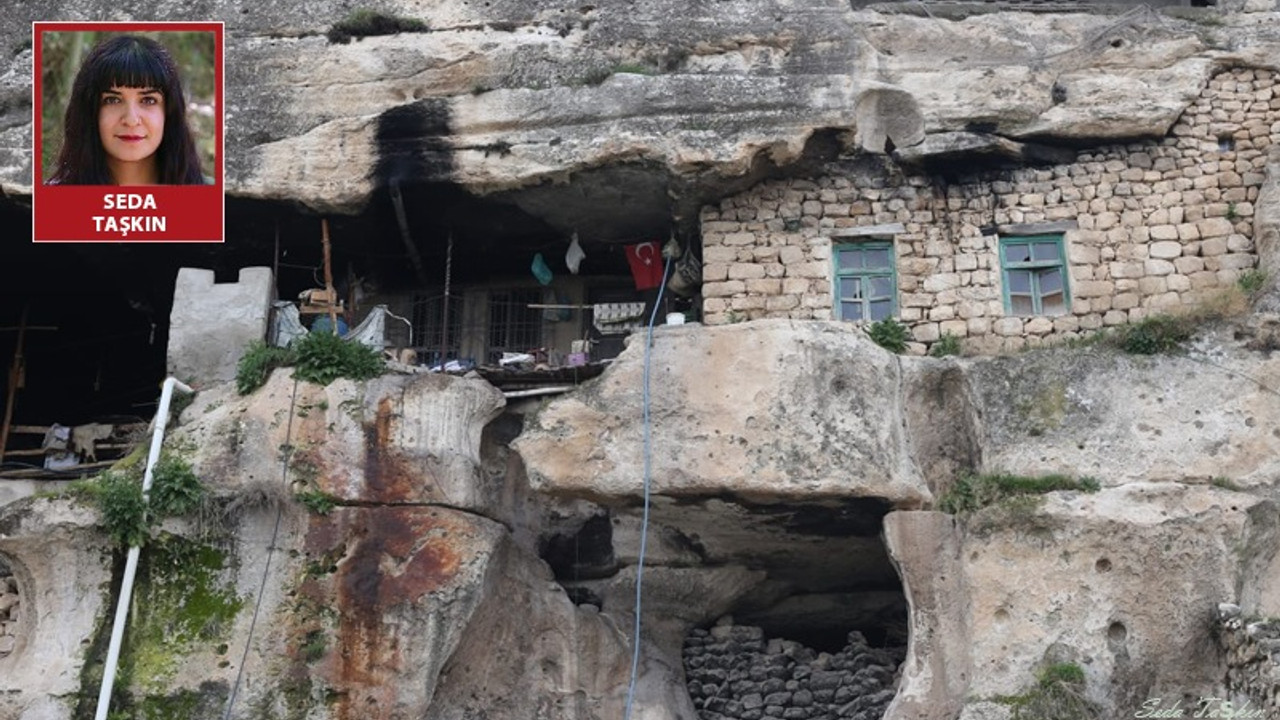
point(412, 143)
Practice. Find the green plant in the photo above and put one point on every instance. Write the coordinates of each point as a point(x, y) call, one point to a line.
point(313, 646)
point(256, 364)
point(889, 334)
point(175, 489)
point(1156, 334)
point(973, 492)
point(317, 502)
point(365, 23)
point(1251, 281)
point(124, 509)
point(1225, 483)
point(1233, 213)
point(946, 345)
point(1058, 695)
point(324, 357)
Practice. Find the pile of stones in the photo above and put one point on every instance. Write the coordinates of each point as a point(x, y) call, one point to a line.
point(1253, 661)
point(735, 673)
point(10, 606)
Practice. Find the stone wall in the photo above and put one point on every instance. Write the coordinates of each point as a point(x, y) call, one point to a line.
point(1253, 662)
point(735, 673)
point(1148, 227)
point(212, 323)
point(10, 606)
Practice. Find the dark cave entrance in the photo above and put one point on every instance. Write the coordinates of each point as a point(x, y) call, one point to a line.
point(826, 628)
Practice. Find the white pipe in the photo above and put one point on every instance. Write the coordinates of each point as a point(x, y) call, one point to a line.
point(131, 563)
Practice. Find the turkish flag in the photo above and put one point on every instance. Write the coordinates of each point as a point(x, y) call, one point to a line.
point(646, 264)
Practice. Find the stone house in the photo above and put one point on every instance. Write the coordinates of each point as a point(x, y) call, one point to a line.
point(1007, 258)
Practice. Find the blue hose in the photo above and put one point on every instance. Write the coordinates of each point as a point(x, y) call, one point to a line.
point(648, 473)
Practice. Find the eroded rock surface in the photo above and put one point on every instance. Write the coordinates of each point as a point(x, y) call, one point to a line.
point(783, 450)
point(1123, 584)
point(510, 95)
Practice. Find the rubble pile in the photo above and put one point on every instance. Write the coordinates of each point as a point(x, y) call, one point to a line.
point(10, 606)
point(735, 673)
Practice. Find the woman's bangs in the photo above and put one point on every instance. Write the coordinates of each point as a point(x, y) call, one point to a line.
point(132, 66)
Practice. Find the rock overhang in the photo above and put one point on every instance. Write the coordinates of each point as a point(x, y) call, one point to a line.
point(513, 99)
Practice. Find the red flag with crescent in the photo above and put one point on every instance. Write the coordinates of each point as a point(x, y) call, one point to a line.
point(646, 264)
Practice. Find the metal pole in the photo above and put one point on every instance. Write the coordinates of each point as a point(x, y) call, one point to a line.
point(131, 562)
point(444, 319)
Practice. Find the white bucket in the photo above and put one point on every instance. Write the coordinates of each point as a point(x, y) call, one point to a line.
point(675, 318)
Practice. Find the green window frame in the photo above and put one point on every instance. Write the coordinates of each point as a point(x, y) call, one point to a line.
point(1034, 276)
point(866, 281)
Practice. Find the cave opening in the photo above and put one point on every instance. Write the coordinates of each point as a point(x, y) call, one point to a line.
point(824, 625)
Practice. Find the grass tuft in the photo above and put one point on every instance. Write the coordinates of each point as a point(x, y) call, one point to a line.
point(973, 492)
point(366, 23)
point(889, 334)
point(946, 345)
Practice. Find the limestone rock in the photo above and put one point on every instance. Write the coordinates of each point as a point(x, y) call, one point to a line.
point(511, 95)
point(738, 406)
point(57, 556)
point(1072, 598)
point(1209, 413)
point(393, 439)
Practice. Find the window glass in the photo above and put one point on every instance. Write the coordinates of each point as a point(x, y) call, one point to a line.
point(881, 287)
point(1035, 276)
point(878, 258)
point(850, 259)
point(1019, 282)
point(1017, 253)
point(1044, 251)
point(1054, 304)
point(850, 288)
point(1050, 281)
point(865, 284)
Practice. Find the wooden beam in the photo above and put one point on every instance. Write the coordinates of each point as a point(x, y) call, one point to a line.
point(328, 276)
point(15, 377)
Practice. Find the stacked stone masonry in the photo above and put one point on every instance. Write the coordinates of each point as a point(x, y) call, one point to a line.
point(1158, 226)
point(1253, 662)
point(735, 673)
point(10, 606)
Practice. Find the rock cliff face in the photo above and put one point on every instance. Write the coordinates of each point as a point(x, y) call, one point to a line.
point(631, 108)
point(798, 501)
point(416, 546)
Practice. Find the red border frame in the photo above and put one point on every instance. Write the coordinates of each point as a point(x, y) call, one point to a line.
point(67, 206)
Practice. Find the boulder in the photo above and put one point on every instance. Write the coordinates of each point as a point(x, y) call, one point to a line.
point(769, 409)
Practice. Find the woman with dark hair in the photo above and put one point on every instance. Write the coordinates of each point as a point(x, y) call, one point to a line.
point(126, 121)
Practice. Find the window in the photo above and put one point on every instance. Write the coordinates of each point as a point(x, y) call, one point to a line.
point(866, 285)
point(513, 325)
point(429, 326)
point(1035, 276)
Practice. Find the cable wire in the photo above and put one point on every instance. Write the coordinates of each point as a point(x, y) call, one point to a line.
point(271, 550)
point(648, 473)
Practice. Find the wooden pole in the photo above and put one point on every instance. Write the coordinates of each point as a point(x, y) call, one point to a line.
point(15, 378)
point(397, 201)
point(328, 276)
